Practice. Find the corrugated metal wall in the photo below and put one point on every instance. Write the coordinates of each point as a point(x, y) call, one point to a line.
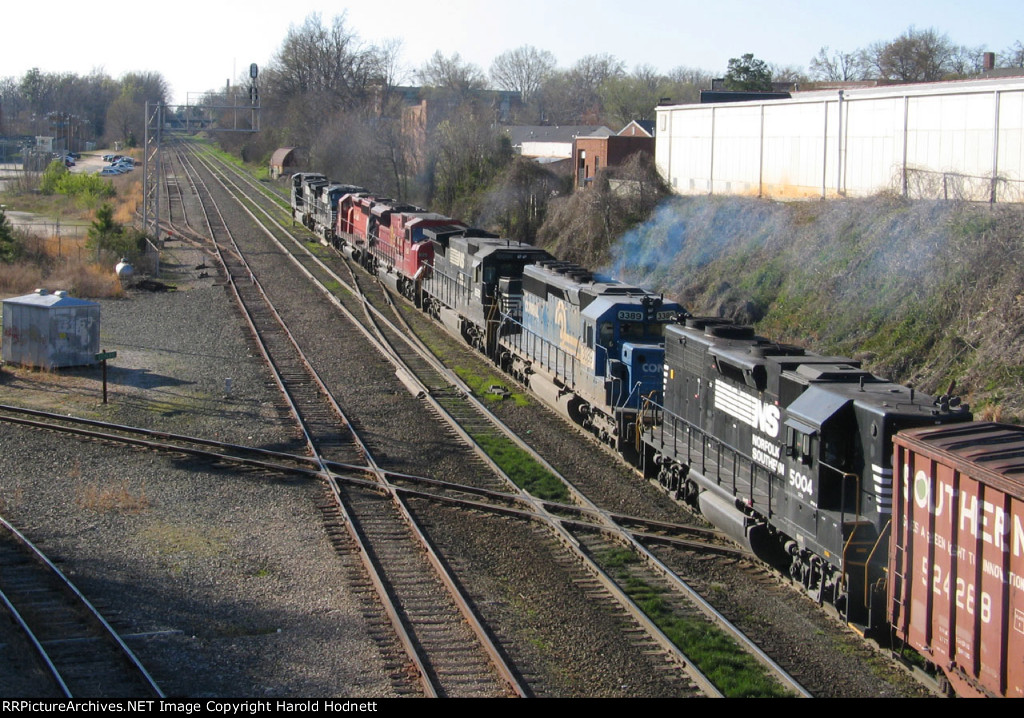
point(955, 140)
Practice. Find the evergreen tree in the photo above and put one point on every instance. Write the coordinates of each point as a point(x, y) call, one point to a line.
point(8, 246)
point(749, 74)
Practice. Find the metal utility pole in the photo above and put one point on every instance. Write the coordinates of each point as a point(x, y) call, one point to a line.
point(211, 117)
point(151, 172)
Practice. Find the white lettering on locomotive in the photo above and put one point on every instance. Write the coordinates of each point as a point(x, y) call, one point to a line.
point(801, 482)
point(767, 454)
point(749, 409)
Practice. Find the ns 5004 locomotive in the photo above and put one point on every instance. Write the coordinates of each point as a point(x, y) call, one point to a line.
point(787, 450)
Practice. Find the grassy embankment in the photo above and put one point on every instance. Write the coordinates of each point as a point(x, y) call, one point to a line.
point(926, 293)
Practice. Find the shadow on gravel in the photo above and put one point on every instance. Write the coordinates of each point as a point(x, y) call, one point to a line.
point(143, 379)
point(152, 285)
point(140, 378)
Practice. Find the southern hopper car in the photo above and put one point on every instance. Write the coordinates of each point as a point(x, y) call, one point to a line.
point(790, 452)
point(956, 559)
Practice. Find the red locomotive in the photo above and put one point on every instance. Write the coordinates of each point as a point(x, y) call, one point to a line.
point(388, 238)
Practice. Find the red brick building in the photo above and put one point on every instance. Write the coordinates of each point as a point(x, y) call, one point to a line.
point(594, 153)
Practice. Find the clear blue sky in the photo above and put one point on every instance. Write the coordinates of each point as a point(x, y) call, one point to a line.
point(199, 45)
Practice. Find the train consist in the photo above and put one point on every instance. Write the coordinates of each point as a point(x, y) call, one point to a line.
point(790, 452)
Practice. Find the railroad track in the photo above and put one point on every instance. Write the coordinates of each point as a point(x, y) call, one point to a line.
point(74, 652)
point(383, 534)
point(466, 415)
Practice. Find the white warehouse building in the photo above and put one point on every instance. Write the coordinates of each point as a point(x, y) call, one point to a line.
point(955, 140)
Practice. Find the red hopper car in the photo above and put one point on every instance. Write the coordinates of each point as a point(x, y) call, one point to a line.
point(956, 558)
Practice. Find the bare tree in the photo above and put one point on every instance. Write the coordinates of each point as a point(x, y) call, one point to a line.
point(967, 61)
point(572, 96)
point(682, 75)
point(451, 73)
point(466, 154)
point(914, 56)
point(328, 61)
point(625, 98)
point(517, 201)
point(836, 66)
point(125, 117)
point(522, 70)
point(1012, 56)
point(788, 73)
point(390, 71)
point(591, 71)
point(683, 85)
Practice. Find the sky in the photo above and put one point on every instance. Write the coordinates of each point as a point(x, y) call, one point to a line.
point(198, 46)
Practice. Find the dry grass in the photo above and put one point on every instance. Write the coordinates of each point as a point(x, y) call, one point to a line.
point(118, 499)
point(64, 262)
point(991, 412)
point(129, 199)
point(70, 271)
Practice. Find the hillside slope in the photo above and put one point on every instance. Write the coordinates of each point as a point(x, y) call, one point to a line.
point(923, 292)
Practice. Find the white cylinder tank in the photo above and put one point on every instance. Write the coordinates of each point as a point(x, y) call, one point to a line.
point(123, 269)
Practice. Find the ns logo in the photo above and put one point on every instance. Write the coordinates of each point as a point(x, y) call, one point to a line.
point(767, 420)
point(757, 414)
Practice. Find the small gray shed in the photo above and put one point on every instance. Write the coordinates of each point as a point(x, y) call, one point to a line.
point(50, 330)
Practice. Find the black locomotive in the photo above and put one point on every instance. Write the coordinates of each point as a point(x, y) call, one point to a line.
point(787, 451)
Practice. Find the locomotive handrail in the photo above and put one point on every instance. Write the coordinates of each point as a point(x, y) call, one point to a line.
point(753, 472)
point(856, 493)
point(883, 534)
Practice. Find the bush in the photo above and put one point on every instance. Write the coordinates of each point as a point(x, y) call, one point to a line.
point(88, 188)
point(106, 235)
point(8, 247)
point(51, 177)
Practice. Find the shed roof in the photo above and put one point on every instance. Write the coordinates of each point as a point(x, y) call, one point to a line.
point(43, 298)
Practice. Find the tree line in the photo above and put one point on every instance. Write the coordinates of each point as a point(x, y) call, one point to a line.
point(915, 56)
point(432, 134)
point(93, 107)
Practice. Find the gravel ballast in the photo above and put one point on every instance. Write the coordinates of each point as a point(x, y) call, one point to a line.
point(225, 580)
